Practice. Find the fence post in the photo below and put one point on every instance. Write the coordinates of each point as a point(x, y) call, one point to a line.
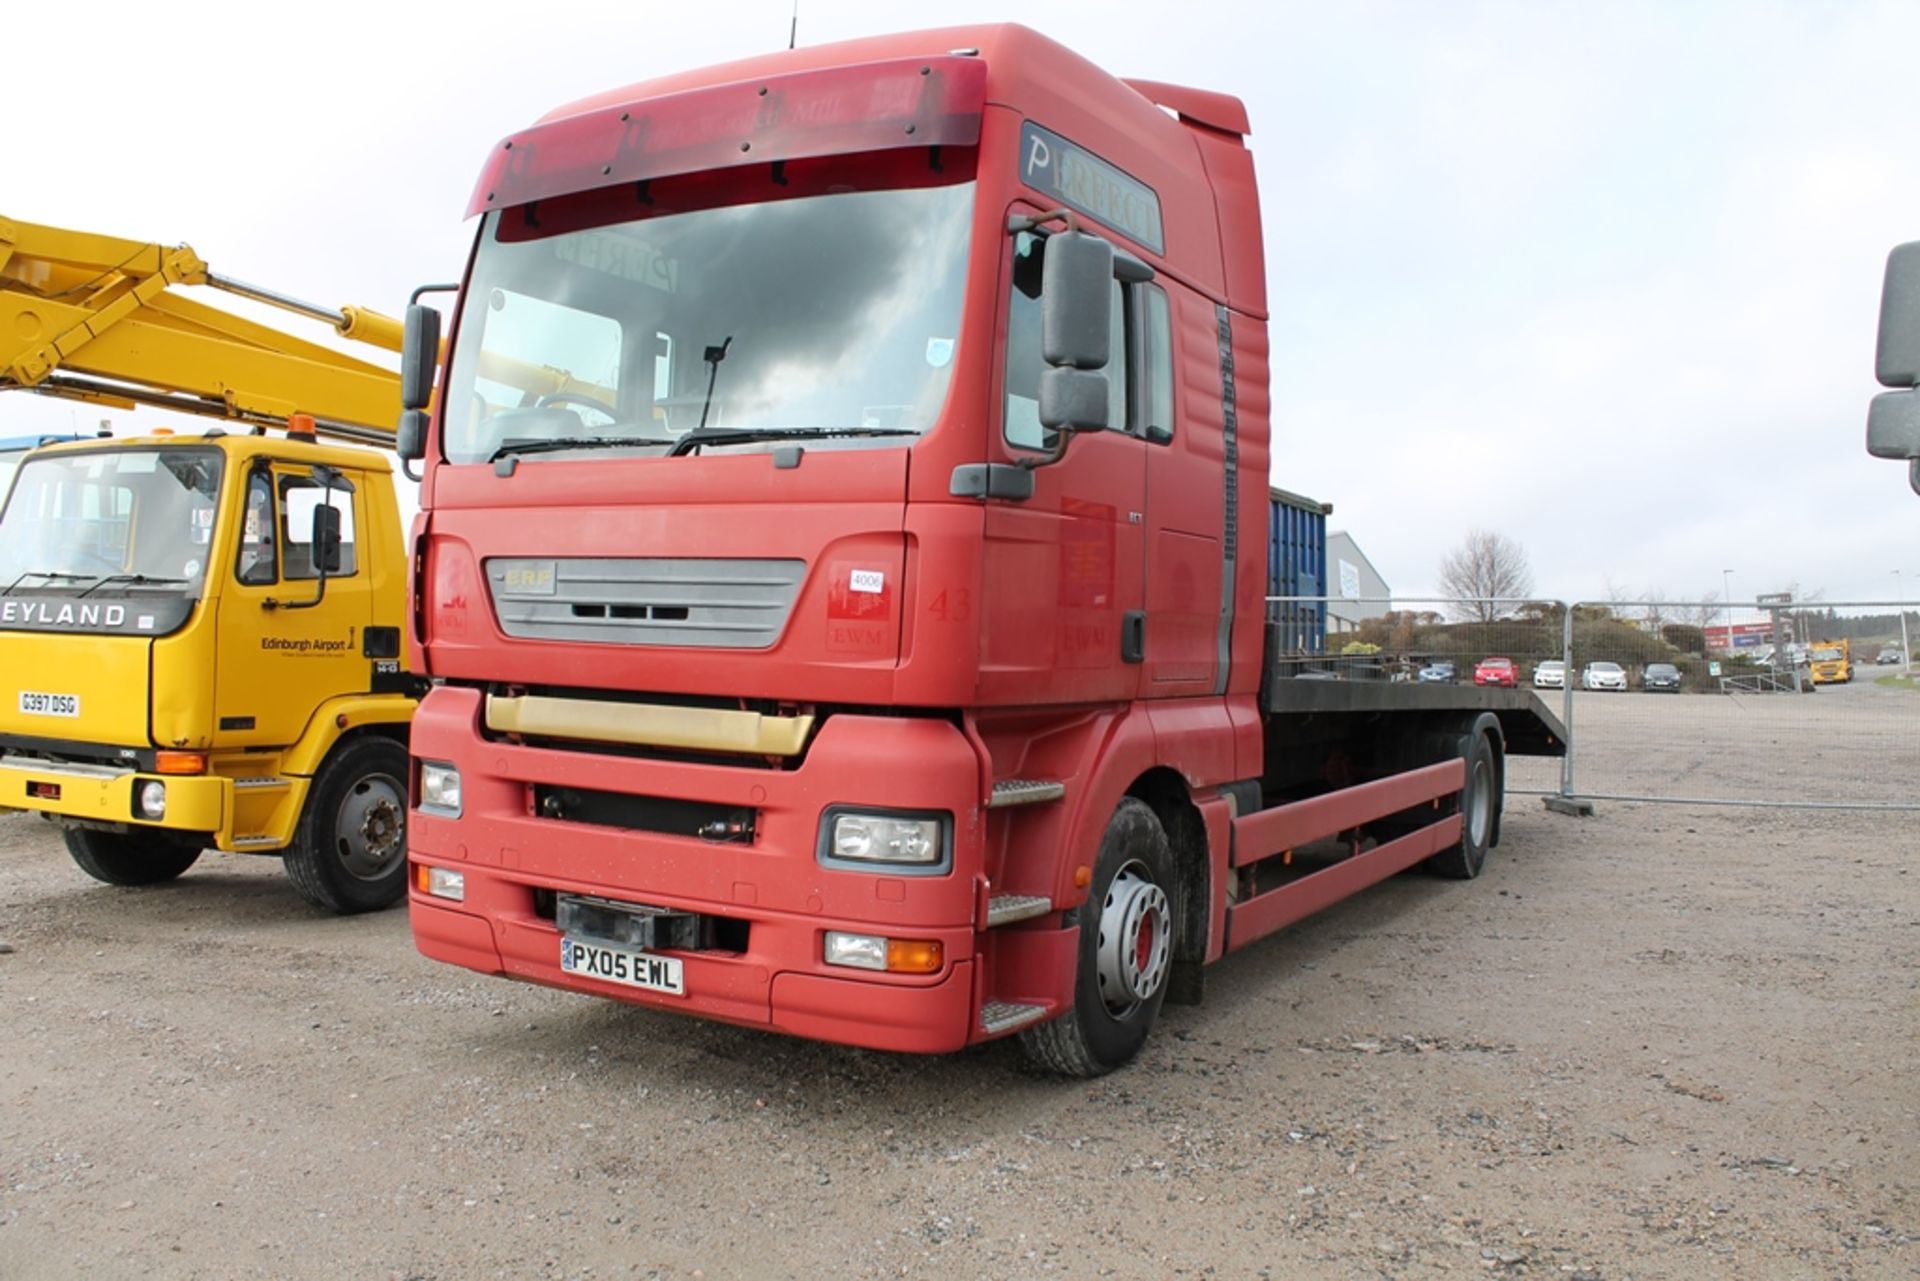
point(1566, 696)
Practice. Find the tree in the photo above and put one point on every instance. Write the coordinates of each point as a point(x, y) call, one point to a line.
point(1685, 637)
point(1486, 565)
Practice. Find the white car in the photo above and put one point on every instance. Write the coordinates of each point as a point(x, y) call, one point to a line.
point(1551, 674)
point(1603, 676)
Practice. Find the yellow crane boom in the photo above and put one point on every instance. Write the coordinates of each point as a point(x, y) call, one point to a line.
point(103, 320)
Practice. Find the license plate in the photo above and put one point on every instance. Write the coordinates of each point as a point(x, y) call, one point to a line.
point(617, 965)
point(34, 704)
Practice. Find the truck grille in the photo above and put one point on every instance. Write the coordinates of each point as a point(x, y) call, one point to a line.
point(729, 604)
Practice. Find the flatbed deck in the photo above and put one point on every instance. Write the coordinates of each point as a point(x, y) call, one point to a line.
point(1529, 727)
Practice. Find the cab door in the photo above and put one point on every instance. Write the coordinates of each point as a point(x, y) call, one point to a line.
point(281, 656)
point(1062, 581)
point(1191, 458)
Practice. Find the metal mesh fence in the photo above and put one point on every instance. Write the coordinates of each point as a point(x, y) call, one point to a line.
point(1763, 703)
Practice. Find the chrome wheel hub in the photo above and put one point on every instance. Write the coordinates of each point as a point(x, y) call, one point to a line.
point(1135, 943)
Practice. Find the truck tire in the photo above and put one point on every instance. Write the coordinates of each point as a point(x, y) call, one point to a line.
point(132, 858)
point(349, 853)
point(1480, 802)
point(1126, 952)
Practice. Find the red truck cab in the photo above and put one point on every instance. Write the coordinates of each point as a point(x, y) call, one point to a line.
point(801, 660)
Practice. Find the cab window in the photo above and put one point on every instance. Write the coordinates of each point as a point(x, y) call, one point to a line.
point(1159, 363)
point(299, 496)
point(257, 534)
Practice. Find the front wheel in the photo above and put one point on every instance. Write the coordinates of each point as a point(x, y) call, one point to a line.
point(131, 858)
point(350, 852)
point(1126, 952)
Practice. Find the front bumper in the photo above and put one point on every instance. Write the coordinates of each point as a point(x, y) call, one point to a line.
point(773, 891)
point(105, 794)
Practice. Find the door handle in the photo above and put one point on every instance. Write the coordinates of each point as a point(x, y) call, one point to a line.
point(1133, 636)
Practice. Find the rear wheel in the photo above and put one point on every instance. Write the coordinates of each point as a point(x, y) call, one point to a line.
point(350, 852)
point(131, 858)
point(1126, 952)
point(1480, 801)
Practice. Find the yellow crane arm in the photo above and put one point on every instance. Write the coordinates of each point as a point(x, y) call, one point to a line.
point(100, 319)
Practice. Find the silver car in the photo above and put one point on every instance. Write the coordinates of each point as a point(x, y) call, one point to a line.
point(1551, 674)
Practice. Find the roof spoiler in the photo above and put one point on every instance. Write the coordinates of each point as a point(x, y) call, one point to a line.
point(1220, 111)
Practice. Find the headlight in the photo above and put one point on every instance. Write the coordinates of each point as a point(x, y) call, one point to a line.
point(886, 838)
point(152, 800)
point(439, 787)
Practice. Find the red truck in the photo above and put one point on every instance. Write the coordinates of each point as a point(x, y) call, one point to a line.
point(841, 570)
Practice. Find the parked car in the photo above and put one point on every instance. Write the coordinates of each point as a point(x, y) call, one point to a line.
point(1891, 654)
point(1603, 676)
point(1661, 678)
point(1551, 674)
point(1437, 672)
point(1496, 671)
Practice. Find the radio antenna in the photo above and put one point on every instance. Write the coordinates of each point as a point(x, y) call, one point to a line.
point(793, 29)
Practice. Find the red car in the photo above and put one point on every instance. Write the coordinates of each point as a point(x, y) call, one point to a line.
point(1496, 671)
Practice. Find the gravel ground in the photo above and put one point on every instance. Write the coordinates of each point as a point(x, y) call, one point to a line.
point(1658, 1042)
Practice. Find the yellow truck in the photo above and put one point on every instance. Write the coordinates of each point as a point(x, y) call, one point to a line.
point(1831, 662)
point(201, 636)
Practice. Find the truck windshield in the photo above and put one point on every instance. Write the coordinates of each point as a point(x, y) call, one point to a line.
point(1826, 654)
point(832, 316)
point(111, 520)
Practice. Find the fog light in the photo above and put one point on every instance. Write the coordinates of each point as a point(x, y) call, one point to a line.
point(857, 951)
point(442, 882)
point(153, 799)
point(439, 788)
point(875, 952)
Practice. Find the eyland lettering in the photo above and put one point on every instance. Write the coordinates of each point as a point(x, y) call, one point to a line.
point(66, 613)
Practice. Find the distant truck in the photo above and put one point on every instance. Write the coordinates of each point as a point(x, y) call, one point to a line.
point(1831, 662)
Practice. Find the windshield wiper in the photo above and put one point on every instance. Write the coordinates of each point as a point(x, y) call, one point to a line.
point(747, 435)
point(137, 580)
point(42, 573)
point(550, 445)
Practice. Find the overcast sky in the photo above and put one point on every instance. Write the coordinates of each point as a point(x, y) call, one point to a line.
point(1600, 277)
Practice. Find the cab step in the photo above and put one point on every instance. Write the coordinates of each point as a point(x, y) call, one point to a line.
point(1005, 1016)
point(1005, 909)
point(250, 784)
point(1025, 791)
point(254, 842)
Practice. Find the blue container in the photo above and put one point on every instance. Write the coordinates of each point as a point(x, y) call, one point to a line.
point(1297, 566)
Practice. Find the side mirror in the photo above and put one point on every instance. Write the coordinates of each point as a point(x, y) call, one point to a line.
point(1076, 300)
point(1893, 425)
point(1897, 360)
point(419, 354)
point(1073, 399)
point(326, 539)
point(410, 441)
